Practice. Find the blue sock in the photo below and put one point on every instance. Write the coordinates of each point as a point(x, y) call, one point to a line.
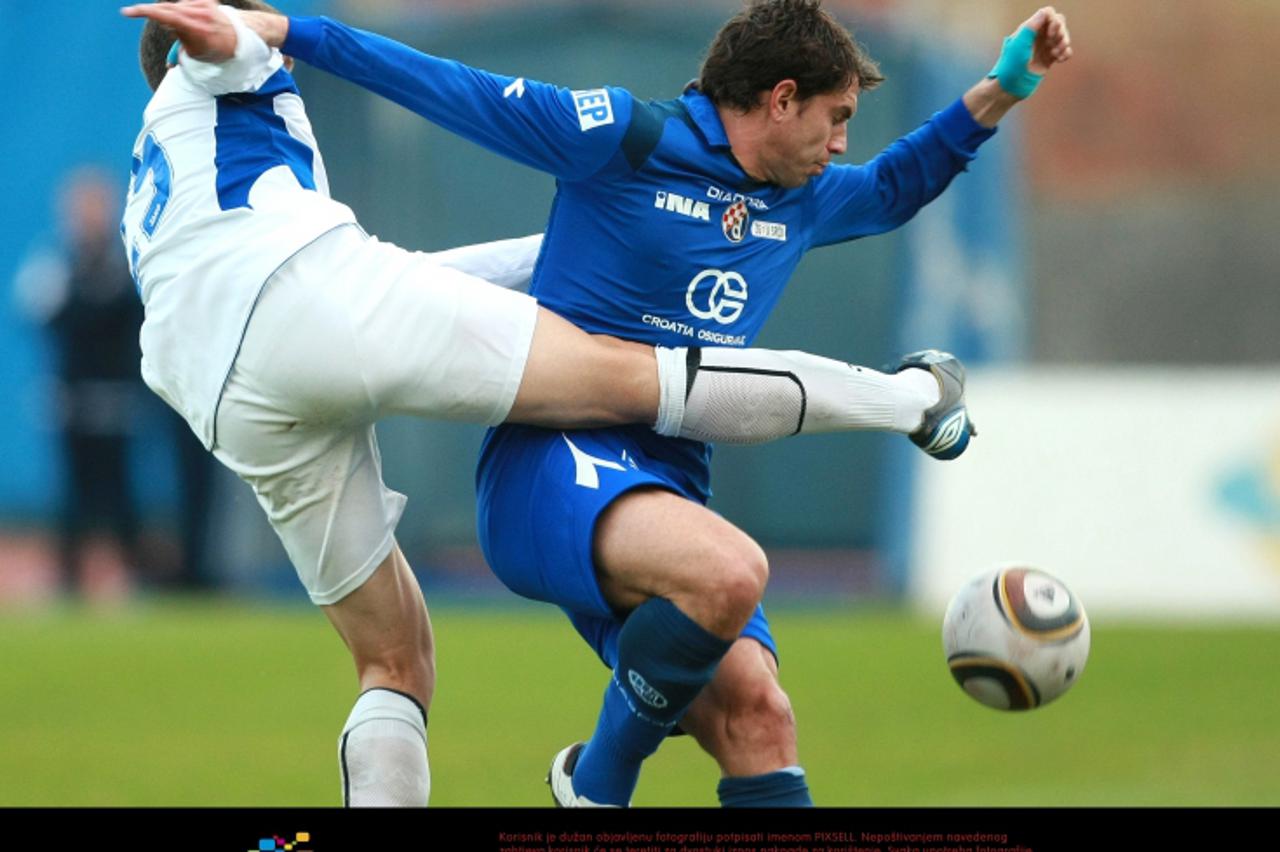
point(664, 661)
point(785, 788)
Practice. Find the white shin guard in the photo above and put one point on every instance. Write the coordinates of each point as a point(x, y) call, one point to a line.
point(382, 752)
point(750, 396)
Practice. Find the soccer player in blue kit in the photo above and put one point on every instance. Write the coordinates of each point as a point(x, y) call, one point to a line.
point(678, 223)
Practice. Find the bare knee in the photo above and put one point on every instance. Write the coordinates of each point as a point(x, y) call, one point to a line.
point(733, 581)
point(653, 543)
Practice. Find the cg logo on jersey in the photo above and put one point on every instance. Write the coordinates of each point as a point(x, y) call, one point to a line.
point(724, 299)
point(734, 221)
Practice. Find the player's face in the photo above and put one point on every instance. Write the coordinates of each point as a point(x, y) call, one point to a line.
point(815, 130)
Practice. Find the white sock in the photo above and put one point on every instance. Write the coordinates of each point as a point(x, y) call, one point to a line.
point(673, 385)
point(382, 752)
point(749, 396)
point(917, 390)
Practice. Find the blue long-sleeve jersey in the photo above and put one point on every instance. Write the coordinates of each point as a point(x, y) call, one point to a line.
point(656, 233)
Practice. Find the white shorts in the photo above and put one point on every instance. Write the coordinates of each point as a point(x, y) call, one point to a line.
point(348, 331)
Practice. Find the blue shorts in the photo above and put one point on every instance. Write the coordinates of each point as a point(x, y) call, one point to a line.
point(539, 495)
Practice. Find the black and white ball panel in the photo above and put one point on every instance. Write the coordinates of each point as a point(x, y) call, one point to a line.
point(1037, 604)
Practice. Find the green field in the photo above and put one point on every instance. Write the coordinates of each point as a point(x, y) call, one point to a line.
point(231, 704)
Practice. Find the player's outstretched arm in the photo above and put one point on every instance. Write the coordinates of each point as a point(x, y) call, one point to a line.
point(222, 54)
point(887, 191)
point(205, 32)
point(1041, 42)
point(571, 135)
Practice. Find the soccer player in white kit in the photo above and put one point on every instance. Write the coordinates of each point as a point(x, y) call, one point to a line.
point(284, 382)
point(282, 332)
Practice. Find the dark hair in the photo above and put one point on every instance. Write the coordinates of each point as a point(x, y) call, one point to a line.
point(153, 48)
point(775, 40)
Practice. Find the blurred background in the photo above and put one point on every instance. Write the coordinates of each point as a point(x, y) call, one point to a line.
point(1107, 268)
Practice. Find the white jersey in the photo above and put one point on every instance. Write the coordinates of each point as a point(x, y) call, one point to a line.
point(228, 184)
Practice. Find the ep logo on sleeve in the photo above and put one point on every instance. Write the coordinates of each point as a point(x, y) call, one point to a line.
point(594, 108)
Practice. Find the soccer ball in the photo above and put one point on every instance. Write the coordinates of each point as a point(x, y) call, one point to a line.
point(1015, 638)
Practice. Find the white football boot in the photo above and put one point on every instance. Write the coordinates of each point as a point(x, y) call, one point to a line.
point(946, 429)
point(560, 777)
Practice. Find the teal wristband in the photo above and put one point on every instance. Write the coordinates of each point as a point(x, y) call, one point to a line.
point(172, 58)
point(1011, 69)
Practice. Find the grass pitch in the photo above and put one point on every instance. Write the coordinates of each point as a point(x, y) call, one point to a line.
point(218, 704)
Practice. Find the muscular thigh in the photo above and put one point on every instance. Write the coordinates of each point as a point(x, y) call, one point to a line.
point(653, 543)
point(585, 520)
point(540, 494)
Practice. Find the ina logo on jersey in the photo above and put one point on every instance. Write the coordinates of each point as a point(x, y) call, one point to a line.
point(734, 221)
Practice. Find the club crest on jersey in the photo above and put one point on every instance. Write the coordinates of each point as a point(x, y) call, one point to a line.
point(734, 222)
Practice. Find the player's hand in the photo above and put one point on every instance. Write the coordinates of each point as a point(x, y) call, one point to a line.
point(1053, 41)
point(205, 32)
